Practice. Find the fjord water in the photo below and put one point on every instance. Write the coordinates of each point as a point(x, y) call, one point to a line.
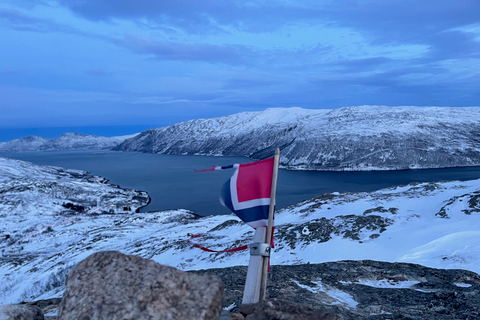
point(172, 183)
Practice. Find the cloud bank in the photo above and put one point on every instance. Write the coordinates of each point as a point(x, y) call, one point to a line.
point(176, 60)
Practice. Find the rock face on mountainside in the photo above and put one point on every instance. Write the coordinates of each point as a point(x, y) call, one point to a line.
point(68, 141)
point(351, 138)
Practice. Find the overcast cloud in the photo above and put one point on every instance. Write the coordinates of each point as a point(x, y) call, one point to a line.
point(80, 63)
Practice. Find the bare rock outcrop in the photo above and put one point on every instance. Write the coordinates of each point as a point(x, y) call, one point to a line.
point(112, 285)
point(20, 312)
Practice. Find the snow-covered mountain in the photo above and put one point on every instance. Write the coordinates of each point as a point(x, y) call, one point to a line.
point(52, 218)
point(68, 141)
point(351, 138)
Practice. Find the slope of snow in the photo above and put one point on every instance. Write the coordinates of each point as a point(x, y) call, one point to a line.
point(41, 240)
point(351, 138)
point(68, 141)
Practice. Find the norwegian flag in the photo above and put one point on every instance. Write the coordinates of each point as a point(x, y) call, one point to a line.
point(247, 193)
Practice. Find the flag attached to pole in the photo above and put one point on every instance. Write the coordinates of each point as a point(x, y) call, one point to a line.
point(247, 193)
point(250, 194)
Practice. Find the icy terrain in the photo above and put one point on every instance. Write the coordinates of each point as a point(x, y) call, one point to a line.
point(52, 218)
point(68, 141)
point(351, 138)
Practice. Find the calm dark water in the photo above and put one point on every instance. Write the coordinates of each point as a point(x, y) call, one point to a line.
point(172, 183)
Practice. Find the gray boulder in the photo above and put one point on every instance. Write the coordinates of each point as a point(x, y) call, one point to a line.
point(20, 312)
point(112, 285)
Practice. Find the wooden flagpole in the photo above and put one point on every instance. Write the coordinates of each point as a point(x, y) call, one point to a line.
point(251, 292)
point(271, 211)
point(255, 284)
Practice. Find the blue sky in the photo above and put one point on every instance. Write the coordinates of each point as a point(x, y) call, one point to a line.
point(111, 67)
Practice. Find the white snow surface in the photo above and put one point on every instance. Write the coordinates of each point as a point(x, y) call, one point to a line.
point(334, 296)
point(387, 283)
point(432, 224)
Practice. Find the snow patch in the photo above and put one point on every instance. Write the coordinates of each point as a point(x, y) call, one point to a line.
point(336, 296)
point(385, 283)
point(454, 250)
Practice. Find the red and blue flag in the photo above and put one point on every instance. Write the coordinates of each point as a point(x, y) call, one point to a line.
point(247, 193)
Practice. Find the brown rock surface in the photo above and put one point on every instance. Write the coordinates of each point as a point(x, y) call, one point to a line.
point(112, 285)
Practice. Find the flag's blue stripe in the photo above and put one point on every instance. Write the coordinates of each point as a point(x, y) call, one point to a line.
point(247, 215)
point(253, 214)
point(227, 196)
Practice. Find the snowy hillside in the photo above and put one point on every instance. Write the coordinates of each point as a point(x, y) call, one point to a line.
point(68, 141)
point(351, 138)
point(51, 219)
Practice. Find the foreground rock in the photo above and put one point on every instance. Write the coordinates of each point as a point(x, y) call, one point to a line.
point(20, 312)
point(356, 290)
point(111, 285)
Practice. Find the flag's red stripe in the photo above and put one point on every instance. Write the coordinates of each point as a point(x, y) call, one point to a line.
point(254, 180)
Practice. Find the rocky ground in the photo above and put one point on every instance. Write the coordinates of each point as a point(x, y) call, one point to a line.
point(356, 290)
point(367, 289)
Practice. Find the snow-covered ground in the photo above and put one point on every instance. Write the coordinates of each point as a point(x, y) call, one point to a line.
point(433, 224)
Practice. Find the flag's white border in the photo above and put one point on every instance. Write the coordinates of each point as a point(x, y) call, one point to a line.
point(258, 223)
point(234, 195)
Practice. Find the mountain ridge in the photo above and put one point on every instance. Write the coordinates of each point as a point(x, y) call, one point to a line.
point(358, 138)
point(67, 141)
point(350, 138)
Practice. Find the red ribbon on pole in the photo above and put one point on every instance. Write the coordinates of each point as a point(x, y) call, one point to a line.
point(196, 245)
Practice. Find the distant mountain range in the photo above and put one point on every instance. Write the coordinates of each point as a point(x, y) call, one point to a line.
point(351, 138)
point(68, 141)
